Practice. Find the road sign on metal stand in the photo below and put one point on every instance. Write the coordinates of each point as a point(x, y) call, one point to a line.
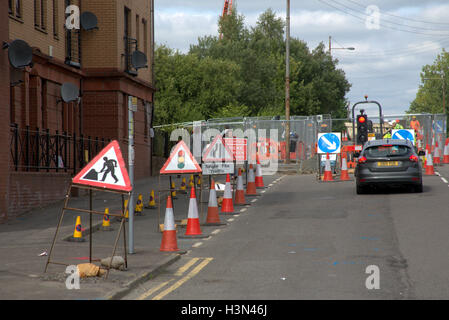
point(404, 134)
point(329, 142)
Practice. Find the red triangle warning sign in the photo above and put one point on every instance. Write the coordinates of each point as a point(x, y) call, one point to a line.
point(107, 170)
point(218, 151)
point(180, 161)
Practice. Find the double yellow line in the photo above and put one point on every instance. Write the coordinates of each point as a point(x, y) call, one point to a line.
point(180, 282)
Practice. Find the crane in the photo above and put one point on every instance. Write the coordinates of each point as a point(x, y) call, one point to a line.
point(227, 10)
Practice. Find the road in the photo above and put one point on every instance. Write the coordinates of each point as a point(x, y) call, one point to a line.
point(304, 239)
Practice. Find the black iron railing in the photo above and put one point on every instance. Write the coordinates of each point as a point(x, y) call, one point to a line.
point(39, 150)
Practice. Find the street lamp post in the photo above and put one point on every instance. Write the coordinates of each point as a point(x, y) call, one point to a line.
point(287, 86)
point(330, 47)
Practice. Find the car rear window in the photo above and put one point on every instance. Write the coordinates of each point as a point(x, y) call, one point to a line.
point(387, 151)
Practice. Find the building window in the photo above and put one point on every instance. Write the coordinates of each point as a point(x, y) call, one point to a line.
point(137, 28)
point(55, 18)
point(145, 36)
point(40, 14)
point(43, 14)
point(10, 6)
point(18, 8)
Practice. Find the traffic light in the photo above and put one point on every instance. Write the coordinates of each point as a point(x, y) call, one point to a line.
point(362, 129)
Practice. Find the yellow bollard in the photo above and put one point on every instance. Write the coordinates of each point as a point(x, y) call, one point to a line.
point(139, 206)
point(106, 226)
point(151, 202)
point(173, 193)
point(183, 186)
point(191, 181)
point(77, 233)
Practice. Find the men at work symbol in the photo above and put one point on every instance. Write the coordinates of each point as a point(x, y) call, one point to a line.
point(110, 165)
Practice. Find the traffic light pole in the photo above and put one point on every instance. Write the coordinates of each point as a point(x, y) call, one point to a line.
point(380, 116)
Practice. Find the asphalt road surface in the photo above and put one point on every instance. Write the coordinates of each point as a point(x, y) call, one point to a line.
point(304, 239)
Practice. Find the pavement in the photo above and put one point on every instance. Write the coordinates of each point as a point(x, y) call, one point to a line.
point(29, 235)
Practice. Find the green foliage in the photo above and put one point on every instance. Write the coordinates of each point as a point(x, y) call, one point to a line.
point(242, 73)
point(429, 97)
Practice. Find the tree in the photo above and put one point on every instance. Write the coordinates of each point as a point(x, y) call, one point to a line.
point(242, 73)
point(429, 97)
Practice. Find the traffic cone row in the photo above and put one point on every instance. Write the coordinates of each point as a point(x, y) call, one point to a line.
point(239, 199)
point(251, 183)
point(259, 178)
point(446, 153)
point(436, 155)
point(344, 176)
point(327, 170)
point(227, 207)
point(213, 218)
point(429, 166)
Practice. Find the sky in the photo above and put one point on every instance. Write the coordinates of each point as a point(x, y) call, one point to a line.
point(393, 39)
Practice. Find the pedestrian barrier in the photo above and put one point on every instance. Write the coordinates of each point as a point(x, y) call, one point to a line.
point(251, 183)
point(106, 225)
point(169, 241)
point(327, 170)
point(138, 210)
point(213, 218)
point(259, 178)
point(78, 232)
point(151, 201)
point(227, 206)
point(193, 230)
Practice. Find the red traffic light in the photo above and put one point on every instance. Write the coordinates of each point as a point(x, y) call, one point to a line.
point(362, 119)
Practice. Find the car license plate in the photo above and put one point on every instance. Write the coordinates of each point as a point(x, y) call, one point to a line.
point(388, 164)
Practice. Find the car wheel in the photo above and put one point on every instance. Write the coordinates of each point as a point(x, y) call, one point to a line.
point(418, 188)
point(359, 189)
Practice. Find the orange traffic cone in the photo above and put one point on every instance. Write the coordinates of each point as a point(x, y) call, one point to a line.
point(213, 218)
point(259, 178)
point(227, 206)
point(251, 183)
point(436, 155)
point(169, 241)
point(446, 153)
point(193, 229)
point(344, 176)
point(429, 168)
point(240, 192)
point(327, 170)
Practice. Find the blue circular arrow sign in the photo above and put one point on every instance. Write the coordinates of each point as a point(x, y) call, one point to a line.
point(329, 143)
point(403, 134)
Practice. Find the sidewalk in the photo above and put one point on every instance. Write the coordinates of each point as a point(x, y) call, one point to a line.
point(23, 239)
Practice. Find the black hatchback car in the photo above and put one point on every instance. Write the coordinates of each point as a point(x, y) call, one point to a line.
point(388, 162)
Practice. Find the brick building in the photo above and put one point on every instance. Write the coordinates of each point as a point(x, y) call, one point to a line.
point(49, 139)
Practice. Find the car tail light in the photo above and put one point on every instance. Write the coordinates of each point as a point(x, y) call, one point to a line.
point(362, 160)
point(413, 158)
point(387, 145)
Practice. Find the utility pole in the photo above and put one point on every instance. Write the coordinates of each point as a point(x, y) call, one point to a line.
point(287, 87)
point(330, 45)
